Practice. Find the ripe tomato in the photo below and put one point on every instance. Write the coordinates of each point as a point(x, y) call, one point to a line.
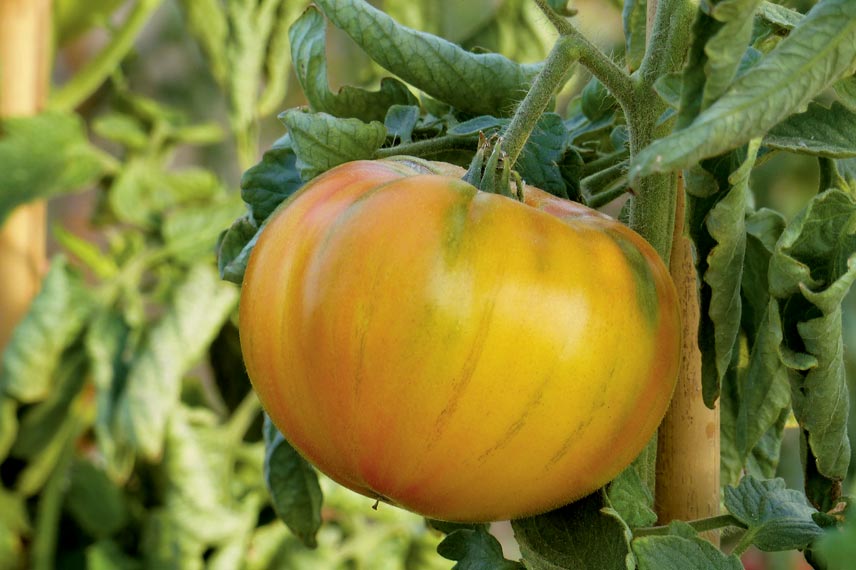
point(460, 354)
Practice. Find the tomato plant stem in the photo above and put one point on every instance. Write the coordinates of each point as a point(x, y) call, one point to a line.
point(243, 417)
point(598, 63)
point(701, 525)
point(669, 38)
point(564, 54)
point(86, 81)
point(605, 180)
point(430, 147)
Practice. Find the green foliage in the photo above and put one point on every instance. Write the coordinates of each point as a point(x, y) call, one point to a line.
point(475, 549)
point(818, 51)
point(493, 83)
point(51, 156)
point(582, 535)
point(293, 485)
point(129, 437)
point(776, 518)
point(682, 548)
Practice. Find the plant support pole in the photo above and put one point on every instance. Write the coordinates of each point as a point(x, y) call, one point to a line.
point(688, 439)
point(24, 62)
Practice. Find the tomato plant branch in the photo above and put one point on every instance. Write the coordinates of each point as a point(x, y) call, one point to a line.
point(605, 180)
point(605, 161)
point(564, 54)
point(668, 41)
point(429, 147)
point(87, 81)
point(615, 79)
point(243, 417)
point(700, 525)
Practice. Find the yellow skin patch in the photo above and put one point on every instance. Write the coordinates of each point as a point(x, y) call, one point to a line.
point(460, 354)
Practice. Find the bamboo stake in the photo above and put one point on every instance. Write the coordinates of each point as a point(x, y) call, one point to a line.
point(688, 440)
point(24, 63)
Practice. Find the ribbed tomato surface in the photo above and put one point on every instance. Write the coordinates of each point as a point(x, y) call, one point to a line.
point(461, 354)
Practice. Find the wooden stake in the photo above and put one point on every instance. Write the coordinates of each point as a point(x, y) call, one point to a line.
point(24, 63)
point(688, 439)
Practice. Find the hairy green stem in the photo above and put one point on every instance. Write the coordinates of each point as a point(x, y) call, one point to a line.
point(598, 63)
point(564, 54)
point(87, 81)
point(604, 198)
point(652, 214)
point(606, 161)
point(243, 417)
point(669, 40)
point(604, 180)
point(429, 147)
point(700, 525)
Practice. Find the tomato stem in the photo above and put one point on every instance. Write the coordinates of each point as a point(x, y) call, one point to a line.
point(430, 147)
point(85, 82)
point(700, 525)
point(564, 54)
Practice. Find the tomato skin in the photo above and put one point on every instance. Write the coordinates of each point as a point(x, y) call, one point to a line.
point(457, 353)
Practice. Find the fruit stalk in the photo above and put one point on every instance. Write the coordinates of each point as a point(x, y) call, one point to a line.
point(24, 63)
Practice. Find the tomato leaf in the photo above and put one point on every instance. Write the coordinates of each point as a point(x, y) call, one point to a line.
point(779, 15)
point(199, 306)
point(190, 233)
point(14, 526)
point(108, 555)
point(818, 52)
point(308, 39)
point(233, 252)
point(726, 226)
point(8, 425)
point(164, 545)
point(107, 344)
point(836, 549)
point(475, 549)
point(538, 163)
point(725, 48)
point(579, 536)
point(197, 462)
point(293, 485)
point(811, 271)
point(820, 131)
point(765, 388)
point(846, 91)
point(681, 549)
point(633, 500)
point(478, 83)
point(267, 184)
point(400, 120)
point(144, 190)
point(95, 502)
point(206, 20)
point(55, 318)
point(51, 156)
point(634, 17)
point(321, 141)
point(777, 518)
point(40, 424)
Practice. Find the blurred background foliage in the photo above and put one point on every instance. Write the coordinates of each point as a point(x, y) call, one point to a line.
point(200, 94)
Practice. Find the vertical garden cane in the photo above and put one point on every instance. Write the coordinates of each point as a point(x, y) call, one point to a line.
point(24, 64)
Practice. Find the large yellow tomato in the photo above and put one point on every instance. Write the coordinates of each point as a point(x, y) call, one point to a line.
point(457, 353)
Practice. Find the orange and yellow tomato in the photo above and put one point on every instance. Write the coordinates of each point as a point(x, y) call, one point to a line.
point(464, 355)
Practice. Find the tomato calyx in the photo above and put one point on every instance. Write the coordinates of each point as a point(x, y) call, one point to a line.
point(494, 174)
